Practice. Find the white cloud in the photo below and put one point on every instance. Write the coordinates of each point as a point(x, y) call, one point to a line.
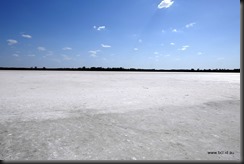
point(190, 25)
point(167, 55)
point(174, 30)
point(105, 46)
point(165, 4)
point(67, 48)
point(140, 41)
point(99, 28)
point(26, 36)
point(94, 53)
point(135, 49)
point(16, 55)
point(12, 42)
point(172, 44)
point(163, 31)
point(41, 48)
point(156, 53)
point(199, 53)
point(183, 48)
point(50, 53)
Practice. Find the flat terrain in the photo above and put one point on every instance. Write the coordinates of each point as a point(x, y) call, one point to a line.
point(119, 115)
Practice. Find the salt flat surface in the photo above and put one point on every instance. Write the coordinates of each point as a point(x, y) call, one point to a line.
point(119, 115)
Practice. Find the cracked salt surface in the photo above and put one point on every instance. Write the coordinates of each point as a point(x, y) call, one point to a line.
point(119, 115)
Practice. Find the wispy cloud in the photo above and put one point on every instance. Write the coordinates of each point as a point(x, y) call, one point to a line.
point(48, 53)
point(183, 48)
point(99, 28)
point(105, 46)
point(41, 48)
point(140, 41)
point(105, 59)
point(26, 36)
point(172, 44)
point(155, 58)
point(93, 53)
point(174, 30)
point(190, 25)
point(66, 57)
point(136, 49)
point(221, 58)
point(199, 53)
point(155, 53)
point(16, 55)
point(67, 48)
point(165, 4)
point(32, 55)
point(12, 42)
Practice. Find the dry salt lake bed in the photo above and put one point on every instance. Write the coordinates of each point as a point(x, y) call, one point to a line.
point(119, 115)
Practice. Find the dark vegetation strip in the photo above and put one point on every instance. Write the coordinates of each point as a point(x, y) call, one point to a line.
point(121, 69)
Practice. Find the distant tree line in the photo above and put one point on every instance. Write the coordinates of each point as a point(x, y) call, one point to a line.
point(120, 69)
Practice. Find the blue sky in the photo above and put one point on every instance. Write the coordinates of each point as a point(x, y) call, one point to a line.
point(169, 34)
